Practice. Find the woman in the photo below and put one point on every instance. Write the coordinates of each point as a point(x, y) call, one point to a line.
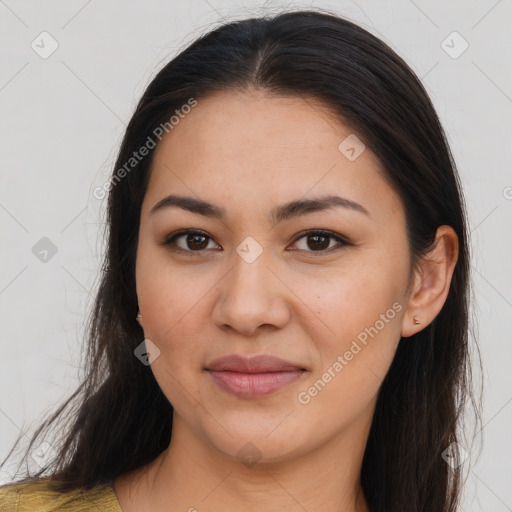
point(282, 320)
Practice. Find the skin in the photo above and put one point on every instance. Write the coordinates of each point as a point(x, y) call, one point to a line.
point(249, 152)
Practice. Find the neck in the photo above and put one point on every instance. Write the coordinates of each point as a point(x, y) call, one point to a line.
point(190, 475)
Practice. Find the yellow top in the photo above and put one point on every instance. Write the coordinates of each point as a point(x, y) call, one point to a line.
point(38, 497)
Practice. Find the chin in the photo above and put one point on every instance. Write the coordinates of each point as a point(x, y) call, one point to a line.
point(257, 442)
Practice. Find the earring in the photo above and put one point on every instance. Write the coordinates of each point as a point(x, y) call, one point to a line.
point(139, 315)
point(416, 321)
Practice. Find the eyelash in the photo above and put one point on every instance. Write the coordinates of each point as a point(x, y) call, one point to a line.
point(170, 239)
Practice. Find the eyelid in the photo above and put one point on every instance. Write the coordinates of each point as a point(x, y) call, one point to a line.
point(342, 241)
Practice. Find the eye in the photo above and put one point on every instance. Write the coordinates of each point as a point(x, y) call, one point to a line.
point(320, 241)
point(195, 241)
point(192, 241)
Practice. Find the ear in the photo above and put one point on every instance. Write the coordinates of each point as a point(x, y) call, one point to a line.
point(430, 282)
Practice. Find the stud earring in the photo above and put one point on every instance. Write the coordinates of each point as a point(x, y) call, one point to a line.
point(416, 320)
point(139, 316)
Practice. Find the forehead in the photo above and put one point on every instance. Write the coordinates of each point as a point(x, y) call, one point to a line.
point(256, 122)
point(240, 146)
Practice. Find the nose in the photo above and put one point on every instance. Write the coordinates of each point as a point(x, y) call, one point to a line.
point(252, 297)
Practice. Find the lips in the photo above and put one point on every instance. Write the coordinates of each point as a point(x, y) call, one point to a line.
point(254, 364)
point(256, 376)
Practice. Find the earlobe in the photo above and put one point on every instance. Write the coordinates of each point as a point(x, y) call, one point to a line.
point(139, 318)
point(432, 278)
point(411, 323)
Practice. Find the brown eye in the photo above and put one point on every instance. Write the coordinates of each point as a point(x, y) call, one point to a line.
point(320, 241)
point(193, 241)
point(196, 241)
point(188, 241)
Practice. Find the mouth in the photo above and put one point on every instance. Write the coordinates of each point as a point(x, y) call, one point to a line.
point(252, 377)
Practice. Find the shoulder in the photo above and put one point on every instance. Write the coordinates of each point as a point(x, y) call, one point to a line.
point(39, 495)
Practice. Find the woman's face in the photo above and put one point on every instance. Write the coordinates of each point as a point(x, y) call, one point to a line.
point(251, 284)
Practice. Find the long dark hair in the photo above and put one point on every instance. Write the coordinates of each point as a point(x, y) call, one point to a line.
point(312, 54)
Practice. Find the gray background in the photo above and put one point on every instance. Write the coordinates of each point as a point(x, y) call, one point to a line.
point(62, 121)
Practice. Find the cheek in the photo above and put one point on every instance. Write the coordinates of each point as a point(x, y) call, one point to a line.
point(173, 315)
point(353, 360)
point(357, 329)
point(351, 301)
point(174, 305)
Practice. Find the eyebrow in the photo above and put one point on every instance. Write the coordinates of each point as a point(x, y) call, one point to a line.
point(278, 214)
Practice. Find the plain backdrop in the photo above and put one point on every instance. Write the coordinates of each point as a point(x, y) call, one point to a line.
point(62, 119)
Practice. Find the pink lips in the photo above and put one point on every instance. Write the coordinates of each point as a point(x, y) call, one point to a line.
point(252, 377)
